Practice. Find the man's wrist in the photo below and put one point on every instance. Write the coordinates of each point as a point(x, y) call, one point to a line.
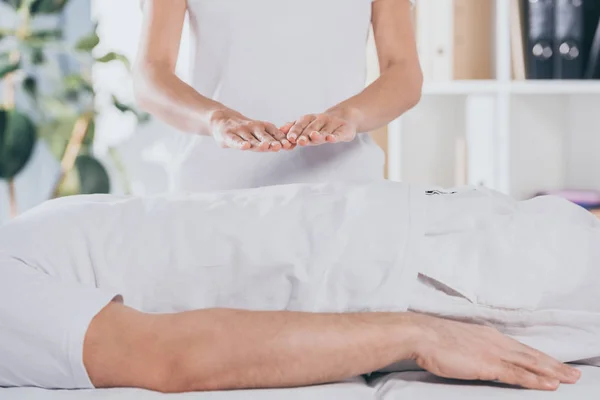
point(408, 330)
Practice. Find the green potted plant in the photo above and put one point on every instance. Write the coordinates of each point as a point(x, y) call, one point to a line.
point(65, 117)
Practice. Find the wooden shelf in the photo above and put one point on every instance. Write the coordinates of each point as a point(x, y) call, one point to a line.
point(460, 87)
point(556, 87)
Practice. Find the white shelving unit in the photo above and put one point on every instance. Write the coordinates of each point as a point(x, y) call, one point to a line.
point(550, 87)
point(521, 137)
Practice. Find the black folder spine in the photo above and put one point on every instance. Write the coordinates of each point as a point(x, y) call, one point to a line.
point(540, 38)
point(569, 38)
point(593, 65)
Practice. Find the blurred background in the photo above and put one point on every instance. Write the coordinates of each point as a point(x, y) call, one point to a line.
point(511, 101)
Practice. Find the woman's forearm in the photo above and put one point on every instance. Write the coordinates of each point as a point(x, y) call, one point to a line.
point(161, 93)
point(396, 91)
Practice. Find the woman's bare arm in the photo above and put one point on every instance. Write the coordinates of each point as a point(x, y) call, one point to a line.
point(163, 94)
point(397, 89)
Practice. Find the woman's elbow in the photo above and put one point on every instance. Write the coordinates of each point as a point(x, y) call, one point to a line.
point(414, 88)
point(408, 82)
point(141, 90)
point(145, 78)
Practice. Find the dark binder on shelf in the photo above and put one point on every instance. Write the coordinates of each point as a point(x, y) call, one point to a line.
point(568, 40)
point(592, 70)
point(591, 15)
point(540, 38)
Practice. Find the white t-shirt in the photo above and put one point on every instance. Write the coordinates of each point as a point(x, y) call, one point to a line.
point(277, 60)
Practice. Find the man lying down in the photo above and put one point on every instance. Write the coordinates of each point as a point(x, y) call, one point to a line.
point(297, 285)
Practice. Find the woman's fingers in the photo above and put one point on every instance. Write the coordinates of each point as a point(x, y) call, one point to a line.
point(299, 127)
point(312, 133)
point(309, 130)
point(266, 140)
point(320, 129)
point(515, 375)
point(249, 137)
point(343, 133)
point(328, 131)
point(279, 136)
point(234, 141)
point(286, 128)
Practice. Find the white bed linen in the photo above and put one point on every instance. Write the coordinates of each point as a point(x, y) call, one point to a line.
point(405, 385)
point(422, 385)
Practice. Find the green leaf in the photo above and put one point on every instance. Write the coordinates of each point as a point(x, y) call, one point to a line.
point(56, 108)
point(30, 87)
point(112, 56)
point(93, 177)
point(5, 33)
point(42, 38)
point(90, 134)
point(141, 116)
point(88, 43)
point(37, 56)
point(16, 4)
point(47, 6)
point(121, 106)
point(9, 67)
point(117, 161)
point(47, 34)
point(17, 140)
point(76, 82)
point(57, 133)
point(75, 86)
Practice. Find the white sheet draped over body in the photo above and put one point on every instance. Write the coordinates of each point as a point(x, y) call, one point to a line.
point(529, 268)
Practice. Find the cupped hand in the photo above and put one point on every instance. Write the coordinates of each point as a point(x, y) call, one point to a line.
point(231, 129)
point(317, 129)
point(457, 350)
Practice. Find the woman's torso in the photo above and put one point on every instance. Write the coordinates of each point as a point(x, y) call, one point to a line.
point(276, 60)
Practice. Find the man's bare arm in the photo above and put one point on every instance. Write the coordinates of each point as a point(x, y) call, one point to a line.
point(233, 349)
point(221, 349)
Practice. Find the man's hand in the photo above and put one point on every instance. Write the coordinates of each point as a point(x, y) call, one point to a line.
point(233, 130)
point(317, 129)
point(471, 352)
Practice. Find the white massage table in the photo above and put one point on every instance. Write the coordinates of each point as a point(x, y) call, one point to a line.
point(405, 385)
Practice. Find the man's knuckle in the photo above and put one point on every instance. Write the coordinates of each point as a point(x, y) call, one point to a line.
point(530, 358)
